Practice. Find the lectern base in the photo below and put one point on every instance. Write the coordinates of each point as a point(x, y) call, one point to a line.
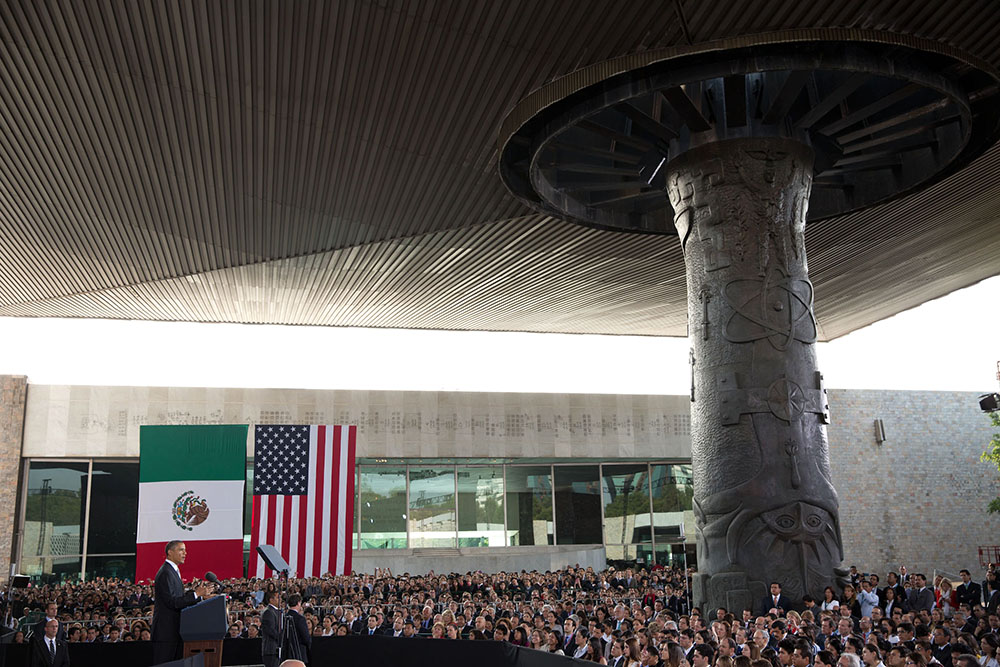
point(212, 650)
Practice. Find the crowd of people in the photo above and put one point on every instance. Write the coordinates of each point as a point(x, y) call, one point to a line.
point(614, 617)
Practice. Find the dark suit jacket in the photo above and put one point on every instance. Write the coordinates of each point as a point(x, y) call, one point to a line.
point(40, 656)
point(970, 595)
point(270, 631)
point(993, 603)
point(768, 603)
point(921, 599)
point(301, 638)
point(942, 654)
point(39, 629)
point(170, 599)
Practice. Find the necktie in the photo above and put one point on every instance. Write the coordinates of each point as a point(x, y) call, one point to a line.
point(52, 648)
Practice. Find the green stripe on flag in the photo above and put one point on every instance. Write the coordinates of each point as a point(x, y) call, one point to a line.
point(168, 453)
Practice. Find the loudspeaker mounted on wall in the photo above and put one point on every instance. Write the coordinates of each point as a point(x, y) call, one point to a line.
point(879, 431)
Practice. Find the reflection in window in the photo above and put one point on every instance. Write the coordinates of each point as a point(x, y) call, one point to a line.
point(114, 508)
point(52, 569)
point(480, 507)
point(432, 507)
point(382, 505)
point(642, 553)
point(625, 492)
point(578, 505)
point(529, 505)
point(55, 509)
point(675, 555)
point(672, 490)
point(122, 567)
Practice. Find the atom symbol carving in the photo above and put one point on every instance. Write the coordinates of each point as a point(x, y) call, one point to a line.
point(775, 307)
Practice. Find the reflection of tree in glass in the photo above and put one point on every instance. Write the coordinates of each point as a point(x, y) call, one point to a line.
point(542, 510)
point(673, 498)
point(62, 506)
point(492, 510)
point(383, 513)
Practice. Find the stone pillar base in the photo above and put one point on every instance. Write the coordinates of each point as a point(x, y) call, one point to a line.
point(731, 590)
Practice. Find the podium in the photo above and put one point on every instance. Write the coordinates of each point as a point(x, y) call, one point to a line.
point(203, 627)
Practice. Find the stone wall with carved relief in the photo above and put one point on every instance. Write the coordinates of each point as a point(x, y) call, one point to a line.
point(104, 421)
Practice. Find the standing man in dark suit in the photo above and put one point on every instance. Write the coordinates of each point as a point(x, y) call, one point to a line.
point(48, 650)
point(968, 592)
point(775, 601)
point(169, 599)
point(270, 630)
point(920, 597)
point(300, 642)
point(51, 613)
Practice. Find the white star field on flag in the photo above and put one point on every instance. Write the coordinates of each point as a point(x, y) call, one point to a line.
point(281, 461)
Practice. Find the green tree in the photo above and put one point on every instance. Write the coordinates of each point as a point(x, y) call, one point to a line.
point(992, 455)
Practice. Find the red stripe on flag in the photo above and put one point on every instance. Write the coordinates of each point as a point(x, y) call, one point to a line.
point(301, 518)
point(272, 507)
point(352, 444)
point(224, 557)
point(335, 508)
point(317, 488)
point(254, 538)
point(286, 529)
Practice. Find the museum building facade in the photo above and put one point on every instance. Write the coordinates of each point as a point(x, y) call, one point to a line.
point(463, 480)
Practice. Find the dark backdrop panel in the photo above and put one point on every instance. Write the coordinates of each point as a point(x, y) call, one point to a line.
point(326, 652)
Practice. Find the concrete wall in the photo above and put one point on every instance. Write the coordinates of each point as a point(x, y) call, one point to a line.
point(919, 499)
point(490, 560)
point(13, 390)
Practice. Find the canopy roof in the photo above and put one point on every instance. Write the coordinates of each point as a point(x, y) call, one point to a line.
point(336, 163)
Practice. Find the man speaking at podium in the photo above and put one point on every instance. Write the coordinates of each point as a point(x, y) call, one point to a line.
point(170, 598)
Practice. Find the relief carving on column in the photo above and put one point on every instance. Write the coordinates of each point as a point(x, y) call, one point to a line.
point(764, 503)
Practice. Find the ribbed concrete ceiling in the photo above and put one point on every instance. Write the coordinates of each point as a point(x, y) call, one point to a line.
point(334, 163)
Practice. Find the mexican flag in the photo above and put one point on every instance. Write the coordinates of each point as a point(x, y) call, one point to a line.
point(191, 481)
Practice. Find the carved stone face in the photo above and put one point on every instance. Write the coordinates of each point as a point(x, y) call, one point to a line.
point(799, 522)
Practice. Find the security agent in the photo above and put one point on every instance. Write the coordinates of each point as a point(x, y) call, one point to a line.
point(48, 650)
point(270, 629)
point(297, 642)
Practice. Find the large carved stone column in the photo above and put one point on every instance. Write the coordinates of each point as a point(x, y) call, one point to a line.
point(752, 137)
point(765, 506)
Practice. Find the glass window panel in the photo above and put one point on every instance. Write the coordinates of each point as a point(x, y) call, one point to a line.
point(628, 555)
point(673, 489)
point(114, 508)
point(122, 567)
point(529, 505)
point(578, 505)
point(625, 492)
point(50, 569)
point(432, 507)
point(382, 500)
point(55, 508)
point(675, 555)
point(480, 507)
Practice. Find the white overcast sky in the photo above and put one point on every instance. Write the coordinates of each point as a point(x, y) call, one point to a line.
point(952, 343)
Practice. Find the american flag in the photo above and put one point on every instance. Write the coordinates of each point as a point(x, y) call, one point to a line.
point(303, 502)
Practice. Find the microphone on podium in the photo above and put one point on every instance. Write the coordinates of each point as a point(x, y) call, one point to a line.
point(212, 579)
